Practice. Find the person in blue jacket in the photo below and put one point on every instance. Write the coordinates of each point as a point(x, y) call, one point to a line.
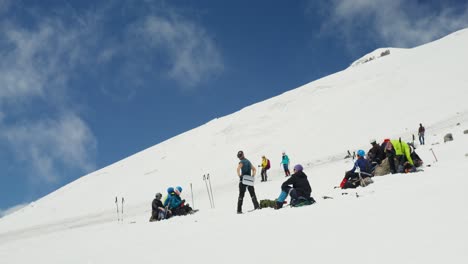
point(285, 162)
point(351, 179)
point(173, 199)
point(175, 204)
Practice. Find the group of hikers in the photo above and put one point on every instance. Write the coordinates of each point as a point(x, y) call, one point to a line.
point(172, 205)
point(297, 186)
point(391, 156)
point(265, 165)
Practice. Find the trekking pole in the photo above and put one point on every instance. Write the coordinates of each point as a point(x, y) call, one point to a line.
point(358, 170)
point(117, 205)
point(191, 191)
point(433, 154)
point(211, 189)
point(122, 209)
point(207, 190)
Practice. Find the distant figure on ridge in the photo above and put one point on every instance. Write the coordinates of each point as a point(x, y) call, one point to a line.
point(299, 191)
point(285, 162)
point(421, 131)
point(245, 169)
point(265, 166)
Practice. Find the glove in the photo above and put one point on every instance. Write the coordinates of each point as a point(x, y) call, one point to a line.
point(343, 182)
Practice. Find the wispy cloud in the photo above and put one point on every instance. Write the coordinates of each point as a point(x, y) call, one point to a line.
point(120, 46)
point(398, 23)
point(36, 65)
point(50, 144)
point(193, 55)
point(11, 210)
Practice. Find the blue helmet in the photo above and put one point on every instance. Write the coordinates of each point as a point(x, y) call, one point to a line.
point(361, 153)
point(179, 188)
point(170, 190)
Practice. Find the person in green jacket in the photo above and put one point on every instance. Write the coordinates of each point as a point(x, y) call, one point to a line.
point(402, 152)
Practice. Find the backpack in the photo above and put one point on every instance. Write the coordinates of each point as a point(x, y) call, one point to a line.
point(301, 201)
point(268, 164)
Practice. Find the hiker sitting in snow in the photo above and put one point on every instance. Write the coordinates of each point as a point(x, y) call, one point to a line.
point(352, 178)
point(300, 190)
point(158, 210)
point(175, 204)
point(375, 155)
point(389, 151)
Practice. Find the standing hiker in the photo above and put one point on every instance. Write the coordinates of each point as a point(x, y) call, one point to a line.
point(421, 131)
point(299, 191)
point(285, 162)
point(265, 166)
point(245, 168)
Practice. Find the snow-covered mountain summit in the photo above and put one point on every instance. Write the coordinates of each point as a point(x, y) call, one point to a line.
point(315, 124)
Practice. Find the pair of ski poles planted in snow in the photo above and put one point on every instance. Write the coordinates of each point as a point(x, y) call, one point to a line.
point(119, 213)
point(207, 180)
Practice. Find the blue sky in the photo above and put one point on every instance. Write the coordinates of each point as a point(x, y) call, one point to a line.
point(84, 84)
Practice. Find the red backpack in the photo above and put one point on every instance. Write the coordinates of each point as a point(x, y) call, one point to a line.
point(268, 164)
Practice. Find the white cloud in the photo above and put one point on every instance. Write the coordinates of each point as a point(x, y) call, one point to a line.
point(397, 23)
point(47, 145)
point(39, 60)
point(193, 54)
point(35, 70)
point(11, 210)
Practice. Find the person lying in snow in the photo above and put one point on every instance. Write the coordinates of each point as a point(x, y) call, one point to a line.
point(352, 177)
point(299, 191)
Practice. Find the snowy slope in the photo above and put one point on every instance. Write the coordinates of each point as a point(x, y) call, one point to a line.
point(408, 218)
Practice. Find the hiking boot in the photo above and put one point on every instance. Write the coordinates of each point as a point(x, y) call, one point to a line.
point(278, 205)
point(239, 212)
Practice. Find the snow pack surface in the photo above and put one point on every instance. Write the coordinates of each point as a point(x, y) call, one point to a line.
point(402, 218)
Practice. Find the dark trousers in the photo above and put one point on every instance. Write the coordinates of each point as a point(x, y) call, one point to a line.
point(353, 180)
point(291, 191)
point(242, 189)
point(391, 162)
point(286, 170)
point(264, 174)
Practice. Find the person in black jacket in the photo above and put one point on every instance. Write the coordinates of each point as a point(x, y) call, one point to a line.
point(375, 155)
point(300, 187)
point(158, 211)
